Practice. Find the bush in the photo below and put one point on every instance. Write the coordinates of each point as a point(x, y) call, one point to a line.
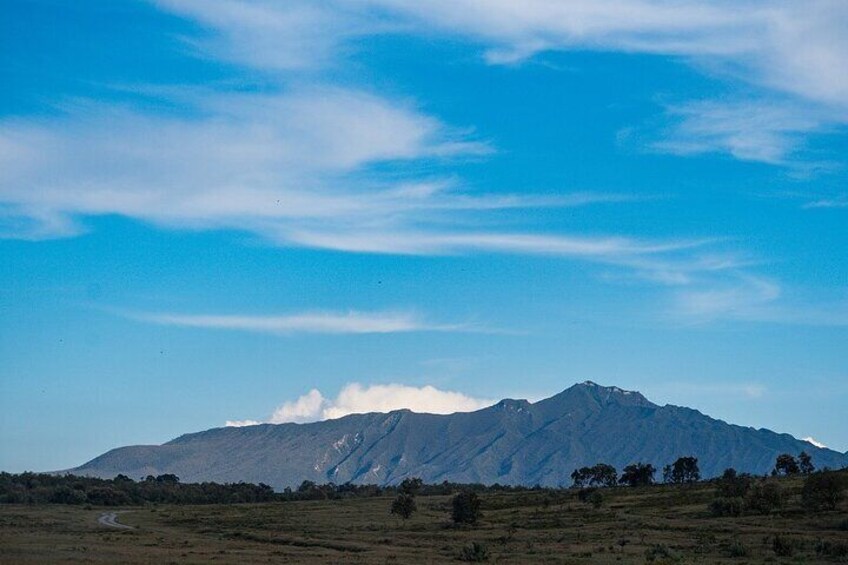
point(660, 552)
point(783, 546)
point(733, 485)
point(727, 506)
point(584, 493)
point(474, 552)
point(596, 499)
point(466, 508)
point(832, 549)
point(823, 491)
point(737, 549)
point(404, 505)
point(764, 498)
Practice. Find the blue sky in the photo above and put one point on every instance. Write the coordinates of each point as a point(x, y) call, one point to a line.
point(217, 211)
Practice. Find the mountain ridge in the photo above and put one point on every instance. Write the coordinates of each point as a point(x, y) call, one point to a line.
point(511, 442)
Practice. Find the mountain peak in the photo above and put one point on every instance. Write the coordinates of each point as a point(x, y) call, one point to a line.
point(605, 394)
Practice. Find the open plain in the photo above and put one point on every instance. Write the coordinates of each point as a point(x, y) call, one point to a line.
point(658, 524)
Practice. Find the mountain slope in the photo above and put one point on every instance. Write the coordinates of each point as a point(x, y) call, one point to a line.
point(512, 442)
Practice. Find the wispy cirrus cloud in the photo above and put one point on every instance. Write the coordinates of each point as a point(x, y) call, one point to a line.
point(749, 298)
point(838, 201)
point(351, 322)
point(795, 51)
point(752, 130)
point(296, 169)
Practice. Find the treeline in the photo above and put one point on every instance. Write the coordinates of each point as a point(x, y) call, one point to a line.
point(39, 488)
point(309, 490)
point(36, 488)
point(683, 470)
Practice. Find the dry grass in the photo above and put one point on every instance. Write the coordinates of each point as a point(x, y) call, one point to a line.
point(655, 525)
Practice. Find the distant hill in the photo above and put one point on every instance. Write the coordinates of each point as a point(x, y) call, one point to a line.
point(512, 442)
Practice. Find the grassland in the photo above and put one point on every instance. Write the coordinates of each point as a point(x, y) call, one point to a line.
point(662, 524)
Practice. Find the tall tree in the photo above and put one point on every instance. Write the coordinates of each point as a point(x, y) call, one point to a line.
point(638, 474)
point(785, 464)
point(805, 463)
point(684, 470)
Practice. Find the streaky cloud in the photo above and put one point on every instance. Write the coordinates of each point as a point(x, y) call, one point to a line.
point(350, 322)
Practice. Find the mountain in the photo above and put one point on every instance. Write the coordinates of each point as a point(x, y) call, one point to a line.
point(512, 442)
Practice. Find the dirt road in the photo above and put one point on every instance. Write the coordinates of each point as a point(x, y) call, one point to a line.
point(110, 519)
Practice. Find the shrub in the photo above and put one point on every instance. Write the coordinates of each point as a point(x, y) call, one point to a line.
point(783, 546)
point(474, 552)
point(832, 549)
point(466, 508)
point(403, 505)
point(584, 493)
point(737, 549)
point(660, 552)
point(733, 485)
point(764, 498)
point(823, 490)
point(596, 499)
point(727, 506)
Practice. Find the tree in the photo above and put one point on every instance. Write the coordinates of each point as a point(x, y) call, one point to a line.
point(404, 505)
point(466, 508)
point(600, 474)
point(785, 464)
point(581, 476)
point(805, 463)
point(410, 486)
point(604, 475)
point(638, 474)
point(823, 490)
point(684, 470)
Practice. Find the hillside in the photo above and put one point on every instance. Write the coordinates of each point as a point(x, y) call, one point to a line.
point(511, 442)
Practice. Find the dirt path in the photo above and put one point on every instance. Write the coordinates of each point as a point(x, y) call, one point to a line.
point(110, 519)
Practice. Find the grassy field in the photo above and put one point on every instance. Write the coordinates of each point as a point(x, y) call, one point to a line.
point(649, 525)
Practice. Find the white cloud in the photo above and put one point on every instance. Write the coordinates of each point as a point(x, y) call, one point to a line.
point(355, 398)
point(840, 201)
point(737, 299)
point(755, 299)
point(306, 408)
point(241, 423)
point(686, 390)
point(797, 50)
point(293, 168)
point(749, 131)
point(814, 442)
point(351, 322)
point(244, 162)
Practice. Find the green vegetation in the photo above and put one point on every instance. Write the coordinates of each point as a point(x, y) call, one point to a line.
point(597, 475)
point(466, 508)
point(666, 523)
point(684, 470)
point(42, 488)
point(638, 475)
